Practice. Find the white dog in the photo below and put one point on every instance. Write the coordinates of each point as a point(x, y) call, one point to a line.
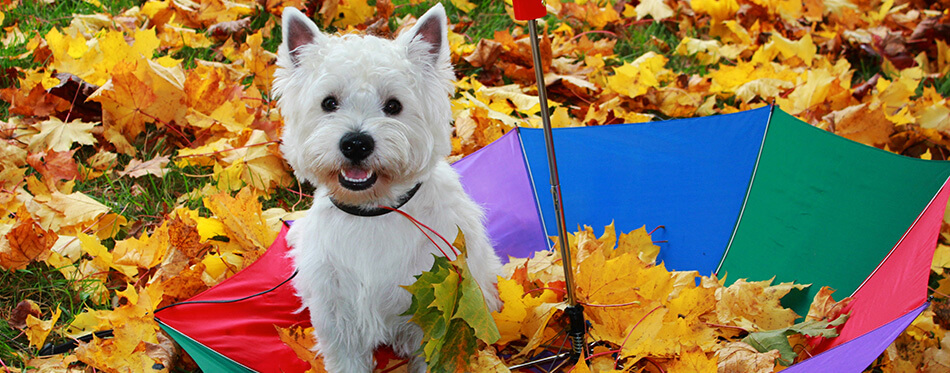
point(367, 121)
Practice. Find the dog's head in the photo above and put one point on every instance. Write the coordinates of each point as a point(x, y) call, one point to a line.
point(364, 117)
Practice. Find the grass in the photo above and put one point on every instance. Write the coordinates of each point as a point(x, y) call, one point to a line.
point(50, 290)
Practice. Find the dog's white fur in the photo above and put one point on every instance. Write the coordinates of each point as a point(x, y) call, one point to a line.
point(351, 267)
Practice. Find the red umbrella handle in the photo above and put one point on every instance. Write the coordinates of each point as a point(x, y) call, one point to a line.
point(526, 10)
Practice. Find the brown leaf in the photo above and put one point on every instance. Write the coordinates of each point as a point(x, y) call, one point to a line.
point(739, 357)
point(186, 239)
point(54, 166)
point(228, 28)
point(154, 166)
point(384, 9)
point(26, 242)
point(184, 285)
point(485, 54)
point(23, 309)
point(33, 102)
point(860, 124)
point(75, 91)
point(893, 47)
point(165, 352)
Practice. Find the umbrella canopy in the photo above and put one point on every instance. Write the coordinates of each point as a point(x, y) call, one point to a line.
point(754, 194)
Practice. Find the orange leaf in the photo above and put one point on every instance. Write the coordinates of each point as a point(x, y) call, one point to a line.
point(824, 307)
point(301, 341)
point(26, 242)
point(54, 166)
point(125, 99)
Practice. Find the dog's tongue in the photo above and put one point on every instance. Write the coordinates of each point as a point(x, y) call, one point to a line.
point(356, 174)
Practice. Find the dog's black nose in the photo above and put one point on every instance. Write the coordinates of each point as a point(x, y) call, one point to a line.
point(356, 146)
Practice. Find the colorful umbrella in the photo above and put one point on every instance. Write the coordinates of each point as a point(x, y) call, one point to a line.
point(753, 194)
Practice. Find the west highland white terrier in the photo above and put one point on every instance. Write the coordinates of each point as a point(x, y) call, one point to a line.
point(367, 121)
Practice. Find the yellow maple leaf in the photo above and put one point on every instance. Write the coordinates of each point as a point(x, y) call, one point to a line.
point(144, 252)
point(941, 259)
point(755, 305)
point(464, 5)
point(134, 331)
point(764, 88)
point(37, 330)
point(72, 210)
point(779, 46)
point(84, 323)
point(352, 12)
point(68, 51)
point(125, 101)
point(635, 78)
point(257, 161)
point(636, 242)
point(242, 217)
point(694, 360)
point(815, 90)
point(787, 9)
point(719, 10)
point(102, 258)
point(59, 136)
point(261, 62)
point(518, 317)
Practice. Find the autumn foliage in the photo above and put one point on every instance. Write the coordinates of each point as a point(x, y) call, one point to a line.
point(116, 104)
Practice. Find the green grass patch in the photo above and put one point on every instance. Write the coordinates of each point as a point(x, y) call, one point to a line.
point(50, 290)
point(941, 84)
point(658, 37)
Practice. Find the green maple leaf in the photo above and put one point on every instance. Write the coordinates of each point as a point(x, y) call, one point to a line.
point(448, 305)
point(778, 339)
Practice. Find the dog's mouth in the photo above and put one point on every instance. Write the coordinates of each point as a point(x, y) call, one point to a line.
point(356, 179)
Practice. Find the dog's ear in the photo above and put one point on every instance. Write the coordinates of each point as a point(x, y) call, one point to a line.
point(298, 31)
point(431, 29)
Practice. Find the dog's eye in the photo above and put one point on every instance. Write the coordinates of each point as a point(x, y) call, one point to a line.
point(392, 107)
point(330, 104)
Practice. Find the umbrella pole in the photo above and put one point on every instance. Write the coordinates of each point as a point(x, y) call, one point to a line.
point(574, 311)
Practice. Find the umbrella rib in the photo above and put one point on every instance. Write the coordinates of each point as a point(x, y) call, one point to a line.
point(161, 323)
point(909, 229)
point(748, 191)
point(534, 189)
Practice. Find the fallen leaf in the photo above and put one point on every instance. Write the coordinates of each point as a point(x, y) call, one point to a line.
point(21, 311)
point(736, 357)
point(26, 242)
point(37, 330)
point(154, 166)
point(301, 341)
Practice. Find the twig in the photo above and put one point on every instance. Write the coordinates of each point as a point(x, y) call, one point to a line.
point(562, 291)
point(657, 365)
point(938, 292)
point(594, 32)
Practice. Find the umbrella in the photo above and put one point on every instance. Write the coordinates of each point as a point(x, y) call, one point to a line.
point(753, 194)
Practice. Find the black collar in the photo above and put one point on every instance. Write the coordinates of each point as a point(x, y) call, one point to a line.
point(378, 210)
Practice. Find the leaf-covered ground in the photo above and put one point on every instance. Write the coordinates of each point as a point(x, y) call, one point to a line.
point(139, 161)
